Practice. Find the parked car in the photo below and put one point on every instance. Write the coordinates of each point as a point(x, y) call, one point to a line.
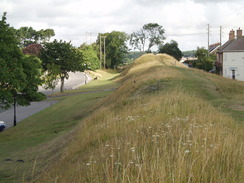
point(2, 126)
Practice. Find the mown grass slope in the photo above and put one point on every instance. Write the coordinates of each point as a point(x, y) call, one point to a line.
point(165, 123)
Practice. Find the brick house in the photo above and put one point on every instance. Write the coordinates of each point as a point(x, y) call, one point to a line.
point(230, 56)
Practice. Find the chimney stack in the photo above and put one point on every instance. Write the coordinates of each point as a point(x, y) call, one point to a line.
point(232, 35)
point(238, 33)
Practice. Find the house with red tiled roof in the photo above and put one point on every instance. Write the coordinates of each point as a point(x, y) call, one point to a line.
point(231, 56)
point(213, 48)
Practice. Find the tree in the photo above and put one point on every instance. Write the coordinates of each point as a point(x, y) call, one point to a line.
point(33, 49)
point(171, 49)
point(151, 34)
point(204, 61)
point(89, 57)
point(59, 58)
point(25, 35)
point(32, 69)
point(28, 35)
point(116, 48)
point(19, 74)
point(45, 35)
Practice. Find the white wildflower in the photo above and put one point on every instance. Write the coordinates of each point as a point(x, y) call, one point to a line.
point(187, 151)
point(212, 145)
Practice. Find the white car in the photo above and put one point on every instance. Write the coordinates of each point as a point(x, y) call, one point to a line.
point(2, 126)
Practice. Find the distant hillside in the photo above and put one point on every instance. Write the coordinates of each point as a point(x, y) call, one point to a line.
point(165, 123)
point(189, 53)
point(132, 56)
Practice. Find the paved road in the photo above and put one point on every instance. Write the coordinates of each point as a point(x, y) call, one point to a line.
point(75, 80)
point(23, 112)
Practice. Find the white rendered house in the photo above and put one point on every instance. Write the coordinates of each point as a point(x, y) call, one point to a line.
point(231, 56)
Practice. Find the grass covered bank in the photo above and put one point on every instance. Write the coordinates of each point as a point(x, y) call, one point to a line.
point(40, 139)
point(165, 123)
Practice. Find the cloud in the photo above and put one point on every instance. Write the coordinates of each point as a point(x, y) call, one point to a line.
point(183, 20)
point(154, 2)
point(216, 1)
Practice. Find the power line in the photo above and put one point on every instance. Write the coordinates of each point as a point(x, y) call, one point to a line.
point(220, 34)
point(186, 34)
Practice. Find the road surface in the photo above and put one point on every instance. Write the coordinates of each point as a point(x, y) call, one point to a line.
point(23, 112)
point(75, 80)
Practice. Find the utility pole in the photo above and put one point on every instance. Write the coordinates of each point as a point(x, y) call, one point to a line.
point(208, 38)
point(220, 34)
point(100, 52)
point(90, 37)
point(104, 52)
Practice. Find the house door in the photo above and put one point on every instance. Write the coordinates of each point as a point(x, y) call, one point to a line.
point(233, 74)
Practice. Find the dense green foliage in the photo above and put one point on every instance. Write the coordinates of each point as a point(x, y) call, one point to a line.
point(115, 48)
point(28, 35)
point(204, 60)
point(171, 49)
point(151, 34)
point(58, 59)
point(19, 74)
point(89, 57)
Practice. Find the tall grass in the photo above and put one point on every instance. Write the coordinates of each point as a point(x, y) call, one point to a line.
point(152, 129)
point(40, 139)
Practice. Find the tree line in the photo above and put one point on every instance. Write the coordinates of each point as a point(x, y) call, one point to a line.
point(29, 58)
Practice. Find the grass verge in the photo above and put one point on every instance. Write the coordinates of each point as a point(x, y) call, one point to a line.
point(39, 140)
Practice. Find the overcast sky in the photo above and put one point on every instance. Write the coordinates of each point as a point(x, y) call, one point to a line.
point(184, 21)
